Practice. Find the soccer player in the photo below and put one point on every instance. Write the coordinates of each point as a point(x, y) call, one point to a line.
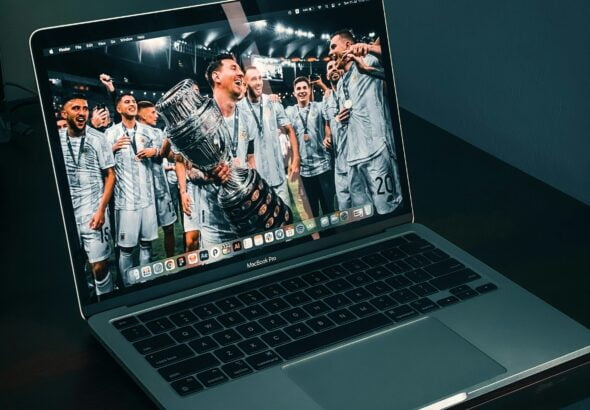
point(89, 165)
point(372, 174)
point(270, 117)
point(147, 115)
point(312, 131)
point(133, 145)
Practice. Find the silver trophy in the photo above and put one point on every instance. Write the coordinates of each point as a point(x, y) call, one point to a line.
point(196, 127)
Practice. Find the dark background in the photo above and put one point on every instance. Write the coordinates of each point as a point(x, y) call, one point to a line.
point(511, 77)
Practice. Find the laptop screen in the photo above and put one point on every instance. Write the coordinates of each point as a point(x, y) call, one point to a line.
point(188, 140)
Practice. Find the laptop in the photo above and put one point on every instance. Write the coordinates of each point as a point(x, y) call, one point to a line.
point(344, 303)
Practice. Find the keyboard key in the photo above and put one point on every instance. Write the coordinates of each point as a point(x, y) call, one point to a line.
point(160, 325)
point(335, 271)
point(135, 333)
point(152, 344)
point(331, 336)
point(209, 326)
point(272, 291)
point(206, 311)
point(318, 292)
point(383, 302)
point(212, 377)
point(337, 301)
point(459, 289)
point(276, 305)
point(378, 288)
point(379, 273)
point(298, 330)
point(253, 312)
point(398, 267)
point(263, 360)
point(183, 318)
point(424, 305)
point(444, 267)
point(249, 329)
point(297, 298)
point(418, 276)
point(228, 354)
point(355, 265)
point(187, 385)
point(374, 259)
point(341, 316)
point(391, 243)
point(398, 282)
point(394, 254)
point(419, 246)
point(236, 369)
point(488, 287)
point(411, 237)
point(450, 300)
point(468, 294)
point(423, 289)
point(358, 295)
point(315, 278)
point(188, 367)
point(316, 308)
point(339, 285)
point(294, 284)
point(226, 337)
point(272, 322)
point(229, 304)
point(435, 255)
point(294, 315)
point(400, 313)
point(320, 323)
point(167, 356)
point(404, 295)
point(231, 319)
point(454, 279)
point(359, 279)
point(252, 346)
point(125, 322)
point(362, 309)
point(417, 261)
point(251, 297)
point(203, 344)
point(278, 337)
point(184, 333)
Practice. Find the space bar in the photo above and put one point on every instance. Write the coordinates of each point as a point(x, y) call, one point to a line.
point(332, 336)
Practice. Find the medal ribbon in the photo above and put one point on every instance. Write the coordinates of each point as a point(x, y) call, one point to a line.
point(260, 122)
point(133, 142)
point(76, 163)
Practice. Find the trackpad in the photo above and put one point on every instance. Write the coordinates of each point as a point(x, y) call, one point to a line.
point(402, 368)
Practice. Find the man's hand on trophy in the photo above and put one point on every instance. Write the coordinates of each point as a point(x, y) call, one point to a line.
point(122, 142)
point(221, 173)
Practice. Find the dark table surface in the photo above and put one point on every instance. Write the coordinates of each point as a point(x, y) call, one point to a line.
point(532, 233)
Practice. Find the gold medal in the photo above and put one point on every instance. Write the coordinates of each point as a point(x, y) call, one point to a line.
point(306, 137)
point(348, 104)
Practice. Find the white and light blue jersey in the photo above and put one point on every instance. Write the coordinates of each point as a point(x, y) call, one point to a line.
point(85, 158)
point(161, 187)
point(267, 144)
point(315, 159)
point(240, 134)
point(368, 132)
point(134, 187)
point(331, 109)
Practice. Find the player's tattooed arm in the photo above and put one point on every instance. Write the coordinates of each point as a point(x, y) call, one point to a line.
point(98, 219)
point(295, 158)
point(185, 199)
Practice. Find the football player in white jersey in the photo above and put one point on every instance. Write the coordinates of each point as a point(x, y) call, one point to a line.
point(270, 117)
point(133, 145)
point(89, 166)
point(372, 170)
point(147, 115)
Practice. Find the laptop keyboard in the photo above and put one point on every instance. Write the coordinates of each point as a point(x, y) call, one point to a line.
point(202, 342)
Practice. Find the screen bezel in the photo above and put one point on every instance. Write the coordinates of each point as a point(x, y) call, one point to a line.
point(174, 18)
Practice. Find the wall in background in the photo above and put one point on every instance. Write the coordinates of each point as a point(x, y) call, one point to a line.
point(511, 77)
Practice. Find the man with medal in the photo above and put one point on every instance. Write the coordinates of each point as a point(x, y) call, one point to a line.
point(316, 165)
point(89, 166)
point(270, 117)
point(133, 146)
point(372, 170)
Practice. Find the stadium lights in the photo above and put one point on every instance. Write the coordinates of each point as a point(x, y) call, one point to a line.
point(260, 24)
point(279, 28)
point(154, 44)
point(372, 34)
point(289, 31)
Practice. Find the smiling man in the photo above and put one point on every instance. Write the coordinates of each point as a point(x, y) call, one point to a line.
point(133, 144)
point(89, 165)
point(270, 117)
point(312, 131)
